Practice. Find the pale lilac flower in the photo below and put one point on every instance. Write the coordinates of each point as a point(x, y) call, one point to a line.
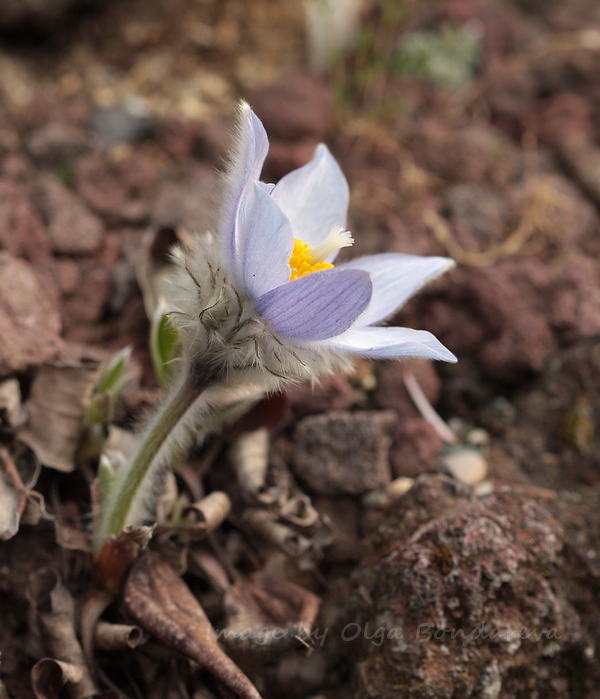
point(262, 296)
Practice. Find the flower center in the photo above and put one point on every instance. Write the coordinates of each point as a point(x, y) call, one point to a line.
point(305, 260)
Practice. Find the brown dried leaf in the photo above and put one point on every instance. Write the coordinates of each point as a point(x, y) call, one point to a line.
point(115, 636)
point(13, 497)
point(250, 457)
point(55, 613)
point(206, 565)
point(56, 409)
point(93, 608)
point(211, 511)
point(49, 676)
point(12, 412)
point(265, 523)
point(162, 604)
point(266, 613)
point(299, 511)
point(118, 553)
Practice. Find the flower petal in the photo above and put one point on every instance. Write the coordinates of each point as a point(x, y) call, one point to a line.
point(314, 197)
point(391, 343)
point(317, 306)
point(265, 242)
point(246, 165)
point(395, 278)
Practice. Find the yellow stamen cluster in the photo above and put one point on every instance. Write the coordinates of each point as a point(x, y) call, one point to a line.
point(302, 263)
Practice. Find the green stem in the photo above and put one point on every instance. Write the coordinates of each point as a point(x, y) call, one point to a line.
point(129, 482)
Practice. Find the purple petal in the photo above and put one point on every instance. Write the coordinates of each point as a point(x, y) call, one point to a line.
point(314, 197)
point(317, 306)
point(391, 343)
point(246, 165)
point(265, 242)
point(395, 278)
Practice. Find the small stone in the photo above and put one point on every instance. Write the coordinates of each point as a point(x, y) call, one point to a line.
point(466, 465)
point(121, 124)
point(483, 489)
point(344, 453)
point(399, 486)
point(56, 143)
point(478, 437)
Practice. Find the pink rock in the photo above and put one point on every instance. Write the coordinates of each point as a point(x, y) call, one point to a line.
point(29, 324)
point(295, 107)
point(332, 393)
point(344, 453)
point(73, 229)
point(22, 231)
point(122, 192)
point(415, 449)
point(57, 142)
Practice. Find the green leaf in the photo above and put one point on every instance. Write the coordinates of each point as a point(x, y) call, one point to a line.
point(106, 478)
point(114, 378)
point(164, 345)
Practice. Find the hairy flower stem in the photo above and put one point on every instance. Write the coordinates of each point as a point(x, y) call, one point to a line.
point(131, 480)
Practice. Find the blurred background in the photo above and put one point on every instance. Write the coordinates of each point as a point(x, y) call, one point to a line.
point(469, 128)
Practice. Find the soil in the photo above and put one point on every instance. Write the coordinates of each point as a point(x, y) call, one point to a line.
point(115, 121)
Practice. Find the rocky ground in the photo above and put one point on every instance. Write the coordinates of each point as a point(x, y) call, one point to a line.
point(412, 560)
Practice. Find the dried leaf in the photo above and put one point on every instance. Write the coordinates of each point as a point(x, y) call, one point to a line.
point(265, 523)
point(116, 636)
point(266, 613)
point(93, 608)
point(56, 410)
point(12, 412)
point(211, 511)
point(118, 553)
point(204, 564)
point(49, 676)
point(299, 511)
point(13, 497)
point(250, 458)
point(161, 603)
point(67, 663)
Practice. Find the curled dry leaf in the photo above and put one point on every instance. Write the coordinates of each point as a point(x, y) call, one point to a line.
point(211, 511)
point(299, 511)
point(49, 676)
point(12, 412)
point(250, 456)
point(55, 612)
point(95, 604)
point(13, 497)
point(116, 636)
point(200, 518)
point(56, 408)
point(265, 523)
point(266, 614)
point(162, 604)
